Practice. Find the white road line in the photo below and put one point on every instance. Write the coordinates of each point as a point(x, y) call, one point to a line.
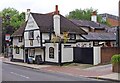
point(19, 75)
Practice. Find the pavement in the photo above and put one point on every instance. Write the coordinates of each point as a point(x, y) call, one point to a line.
point(98, 72)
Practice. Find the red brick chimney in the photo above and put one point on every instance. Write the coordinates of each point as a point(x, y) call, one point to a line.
point(94, 13)
point(56, 9)
point(56, 20)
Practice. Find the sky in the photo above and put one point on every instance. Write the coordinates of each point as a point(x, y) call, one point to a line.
point(65, 6)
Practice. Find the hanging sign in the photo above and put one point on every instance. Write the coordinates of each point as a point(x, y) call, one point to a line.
point(7, 37)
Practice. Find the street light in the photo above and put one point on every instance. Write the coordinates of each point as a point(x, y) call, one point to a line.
point(118, 28)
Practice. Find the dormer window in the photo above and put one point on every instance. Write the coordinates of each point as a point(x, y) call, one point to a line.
point(31, 35)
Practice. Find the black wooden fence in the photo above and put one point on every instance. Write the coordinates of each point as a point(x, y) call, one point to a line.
point(83, 55)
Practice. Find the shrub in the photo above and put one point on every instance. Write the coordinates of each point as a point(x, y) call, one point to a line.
point(115, 58)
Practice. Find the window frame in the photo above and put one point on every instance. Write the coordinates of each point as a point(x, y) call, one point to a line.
point(51, 53)
point(17, 50)
point(31, 35)
point(20, 39)
point(32, 53)
point(31, 42)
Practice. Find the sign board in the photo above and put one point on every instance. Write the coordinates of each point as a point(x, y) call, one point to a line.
point(7, 37)
point(51, 52)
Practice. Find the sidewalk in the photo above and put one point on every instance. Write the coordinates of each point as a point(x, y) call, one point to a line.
point(35, 66)
point(98, 72)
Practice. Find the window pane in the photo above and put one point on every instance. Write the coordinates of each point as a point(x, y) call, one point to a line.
point(20, 39)
point(17, 50)
point(31, 35)
point(51, 52)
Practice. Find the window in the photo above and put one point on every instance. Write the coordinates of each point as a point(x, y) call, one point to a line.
point(20, 39)
point(67, 46)
point(31, 35)
point(72, 36)
point(96, 43)
point(51, 52)
point(31, 42)
point(32, 53)
point(17, 50)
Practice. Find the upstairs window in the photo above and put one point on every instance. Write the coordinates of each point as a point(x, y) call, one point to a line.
point(20, 39)
point(31, 35)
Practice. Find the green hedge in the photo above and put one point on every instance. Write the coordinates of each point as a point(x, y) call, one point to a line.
point(115, 58)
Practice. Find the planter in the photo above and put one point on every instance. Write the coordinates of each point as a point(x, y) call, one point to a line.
point(116, 63)
point(116, 67)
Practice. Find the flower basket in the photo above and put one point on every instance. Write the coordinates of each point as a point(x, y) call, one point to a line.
point(22, 46)
point(11, 46)
point(15, 46)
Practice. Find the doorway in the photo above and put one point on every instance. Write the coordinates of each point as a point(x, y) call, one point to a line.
point(26, 55)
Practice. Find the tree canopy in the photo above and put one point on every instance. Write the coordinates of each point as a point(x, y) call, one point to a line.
point(12, 19)
point(80, 14)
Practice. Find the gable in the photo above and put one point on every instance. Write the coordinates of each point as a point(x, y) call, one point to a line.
point(31, 24)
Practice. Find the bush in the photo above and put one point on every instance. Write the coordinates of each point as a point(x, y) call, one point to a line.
point(115, 58)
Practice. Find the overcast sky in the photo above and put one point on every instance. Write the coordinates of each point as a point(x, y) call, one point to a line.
point(65, 6)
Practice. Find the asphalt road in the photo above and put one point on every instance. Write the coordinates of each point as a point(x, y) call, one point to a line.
point(19, 73)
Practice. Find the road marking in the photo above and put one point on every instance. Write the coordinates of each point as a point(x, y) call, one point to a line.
point(19, 75)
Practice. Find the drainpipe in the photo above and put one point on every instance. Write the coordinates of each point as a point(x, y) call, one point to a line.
point(59, 54)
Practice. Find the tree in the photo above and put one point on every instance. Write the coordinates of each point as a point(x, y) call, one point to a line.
point(12, 19)
point(82, 14)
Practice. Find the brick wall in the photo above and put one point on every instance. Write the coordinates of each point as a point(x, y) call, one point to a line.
point(112, 22)
point(108, 52)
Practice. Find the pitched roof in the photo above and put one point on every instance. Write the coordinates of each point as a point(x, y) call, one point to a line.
point(89, 24)
point(67, 25)
point(20, 31)
point(109, 16)
point(112, 30)
point(45, 23)
point(100, 36)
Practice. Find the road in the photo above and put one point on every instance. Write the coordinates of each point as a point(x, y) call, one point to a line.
point(19, 73)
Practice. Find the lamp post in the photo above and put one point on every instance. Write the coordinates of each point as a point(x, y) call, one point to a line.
point(118, 36)
point(118, 27)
